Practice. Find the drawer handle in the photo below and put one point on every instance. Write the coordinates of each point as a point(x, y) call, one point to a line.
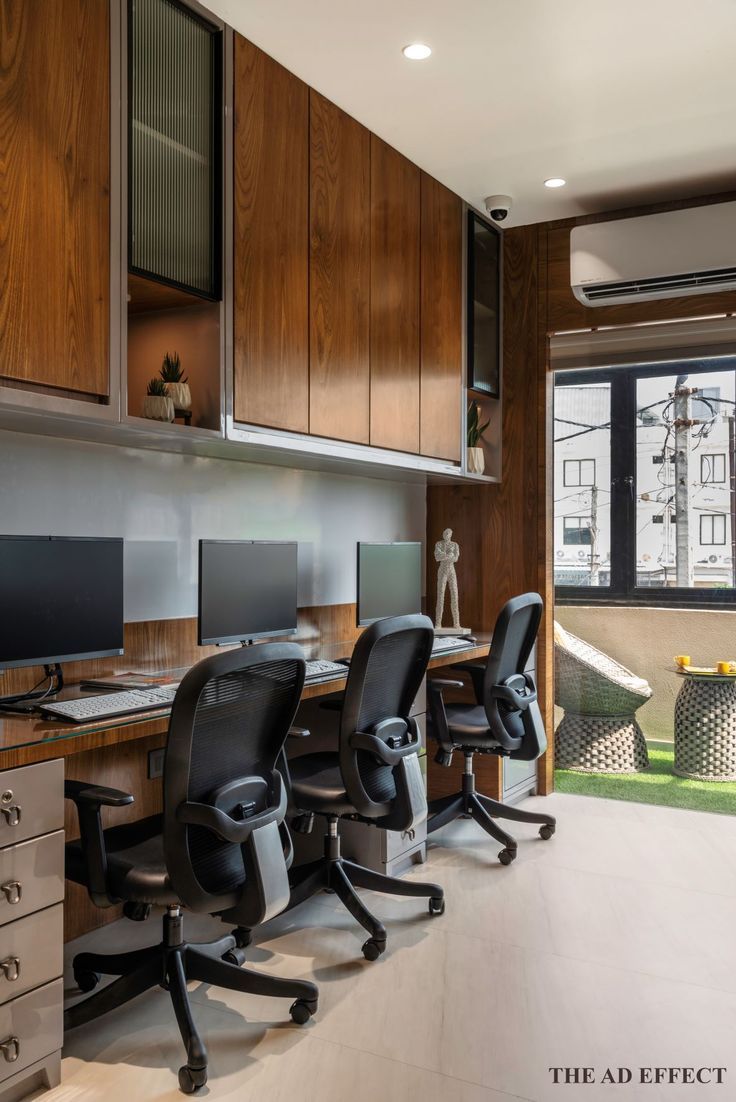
point(10, 967)
point(13, 890)
point(10, 1049)
point(12, 814)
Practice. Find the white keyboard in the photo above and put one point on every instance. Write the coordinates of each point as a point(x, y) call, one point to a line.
point(444, 643)
point(321, 670)
point(87, 709)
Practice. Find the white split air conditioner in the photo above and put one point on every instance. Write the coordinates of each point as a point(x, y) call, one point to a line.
point(680, 252)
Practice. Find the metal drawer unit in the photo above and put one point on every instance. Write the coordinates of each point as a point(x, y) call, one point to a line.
point(31, 927)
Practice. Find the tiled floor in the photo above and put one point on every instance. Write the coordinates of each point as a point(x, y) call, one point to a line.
point(614, 944)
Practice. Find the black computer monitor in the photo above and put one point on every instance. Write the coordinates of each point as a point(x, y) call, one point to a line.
point(389, 580)
point(61, 598)
point(246, 590)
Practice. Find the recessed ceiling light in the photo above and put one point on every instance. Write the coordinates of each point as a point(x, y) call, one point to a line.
point(417, 51)
point(555, 181)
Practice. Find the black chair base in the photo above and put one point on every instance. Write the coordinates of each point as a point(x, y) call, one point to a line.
point(334, 873)
point(485, 811)
point(171, 965)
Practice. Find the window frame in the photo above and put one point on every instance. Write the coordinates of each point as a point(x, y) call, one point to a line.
point(712, 456)
point(578, 485)
point(712, 517)
point(580, 528)
point(623, 588)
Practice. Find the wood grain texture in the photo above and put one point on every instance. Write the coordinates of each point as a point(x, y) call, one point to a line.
point(395, 236)
point(441, 363)
point(55, 193)
point(501, 528)
point(339, 274)
point(271, 231)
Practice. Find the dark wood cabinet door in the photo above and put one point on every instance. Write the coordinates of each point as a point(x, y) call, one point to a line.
point(271, 228)
point(395, 222)
point(339, 274)
point(55, 193)
point(441, 321)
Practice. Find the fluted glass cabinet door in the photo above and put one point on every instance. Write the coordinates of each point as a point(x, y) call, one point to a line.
point(174, 149)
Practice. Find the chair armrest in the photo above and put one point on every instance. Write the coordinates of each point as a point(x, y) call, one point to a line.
point(437, 684)
point(96, 795)
point(89, 799)
point(372, 744)
point(438, 716)
point(299, 732)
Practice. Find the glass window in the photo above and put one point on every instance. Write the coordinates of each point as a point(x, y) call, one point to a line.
point(713, 468)
point(577, 530)
point(712, 529)
point(582, 484)
point(644, 508)
point(579, 472)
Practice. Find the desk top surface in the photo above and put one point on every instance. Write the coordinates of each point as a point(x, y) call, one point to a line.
point(27, 739)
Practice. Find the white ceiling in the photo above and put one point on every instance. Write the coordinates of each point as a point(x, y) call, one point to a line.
point(630, 100)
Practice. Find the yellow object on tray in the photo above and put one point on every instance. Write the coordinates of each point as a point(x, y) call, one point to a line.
point(721, 669)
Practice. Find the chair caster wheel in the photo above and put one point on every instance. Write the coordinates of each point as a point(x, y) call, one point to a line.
point(242, 937)
point(506, 856)
point(191, 1079)
point(234, 956)
point(437, 905)
point(546, 831)
point(301, 1011)
point(373, 948)
point(86, 981)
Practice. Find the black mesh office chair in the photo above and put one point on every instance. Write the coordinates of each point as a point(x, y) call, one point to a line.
point(505, 720)
point(375, 776)
point(220, 847)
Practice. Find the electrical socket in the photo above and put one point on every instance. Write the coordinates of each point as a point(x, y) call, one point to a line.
point(156, 763)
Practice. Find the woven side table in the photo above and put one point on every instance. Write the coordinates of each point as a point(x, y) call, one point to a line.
point(705, 728)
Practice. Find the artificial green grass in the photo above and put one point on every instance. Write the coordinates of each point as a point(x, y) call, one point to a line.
point(658, 785)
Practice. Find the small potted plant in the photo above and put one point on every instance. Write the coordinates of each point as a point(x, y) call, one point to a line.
point(157, 405)
point(177, 386)
point(476, 456)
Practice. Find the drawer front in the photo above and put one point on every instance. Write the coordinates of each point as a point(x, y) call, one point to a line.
point(31, 801)
point(31, 952)
point(397, 842)
point(31, 1027)
point(31, 876)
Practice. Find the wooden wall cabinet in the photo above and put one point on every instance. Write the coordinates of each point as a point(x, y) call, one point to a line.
point(440, 420)
point(395, 234)
point(271, 227)
point(339, 274)
point(55, 194)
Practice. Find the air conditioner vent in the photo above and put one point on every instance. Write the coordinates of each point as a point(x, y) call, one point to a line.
point(660, 285)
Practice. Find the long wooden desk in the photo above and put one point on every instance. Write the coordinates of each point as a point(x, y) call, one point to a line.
point(28, 739)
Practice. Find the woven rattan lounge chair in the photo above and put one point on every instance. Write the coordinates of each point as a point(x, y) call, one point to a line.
point(599, 732)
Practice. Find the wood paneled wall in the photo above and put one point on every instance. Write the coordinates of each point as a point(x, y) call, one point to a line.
point(339, 273)
point(501, 529)
point(271, 288)
point(55, 193)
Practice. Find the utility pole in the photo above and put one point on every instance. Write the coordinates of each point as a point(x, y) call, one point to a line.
point(682, 426)
point(594, 563)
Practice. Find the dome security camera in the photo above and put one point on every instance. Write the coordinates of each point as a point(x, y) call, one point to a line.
point(498, 206)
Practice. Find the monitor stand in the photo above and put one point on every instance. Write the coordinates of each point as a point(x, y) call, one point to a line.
point(26, 703)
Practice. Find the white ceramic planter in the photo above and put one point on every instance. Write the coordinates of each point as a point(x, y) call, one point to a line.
point(180, 395)
point(158, 407)
point(476, 460)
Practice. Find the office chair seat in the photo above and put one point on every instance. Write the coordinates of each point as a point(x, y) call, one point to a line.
point(136, 869)
point(469, 723)
point(317, 784)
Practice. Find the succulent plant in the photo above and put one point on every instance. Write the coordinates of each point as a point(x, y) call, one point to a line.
point(156, 388)
point(475, 429)
point(171, 369)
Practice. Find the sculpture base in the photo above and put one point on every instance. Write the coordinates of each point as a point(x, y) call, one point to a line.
point(452, 631)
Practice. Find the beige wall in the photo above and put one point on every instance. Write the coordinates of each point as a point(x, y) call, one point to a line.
point(645, 640)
